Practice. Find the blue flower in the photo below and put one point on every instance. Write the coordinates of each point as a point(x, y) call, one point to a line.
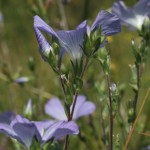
point(55, 108)
point(135, 17)
point(23, 130)
point(69, 41)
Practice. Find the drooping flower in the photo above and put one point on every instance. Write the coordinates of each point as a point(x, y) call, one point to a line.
point(23, 130)
point(132, 17)
point(55, 108)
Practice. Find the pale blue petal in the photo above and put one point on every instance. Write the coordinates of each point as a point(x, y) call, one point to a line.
point(109, 23)
point(72, 41)
point(83, 107)
point(66, 128)
point(45, 47)
point(7, 129)
point(50, 131)
point(82, 24)
point(7, 117)
point(142, 7)
point(80, 100)
point(60, 129)
point(42, 126)
point(55, 109)
point(26, 132)
point(41, 25)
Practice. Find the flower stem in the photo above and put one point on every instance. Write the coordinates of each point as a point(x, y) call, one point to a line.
point(110, 114)
point(70, 116)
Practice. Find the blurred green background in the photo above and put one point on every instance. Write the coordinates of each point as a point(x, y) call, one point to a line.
point(18, 45)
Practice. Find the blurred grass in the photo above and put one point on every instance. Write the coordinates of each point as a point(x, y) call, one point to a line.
point(18, 43)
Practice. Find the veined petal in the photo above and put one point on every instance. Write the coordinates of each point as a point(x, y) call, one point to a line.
point(45, 47)
point(82, 24)
point(41, 25)
point(60, 129)
point(71, 41)
point(42, 126)
point(55, 109)
point(26, 132)
point(142, 7)
point(50, 131)
point(7, 129)
point(109, 23)
point(66, 128)
point(19, 119)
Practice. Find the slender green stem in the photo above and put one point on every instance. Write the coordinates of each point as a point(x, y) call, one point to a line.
point(66, 142)
point(73, 107)
point(110, 114)
point(138, 86)
point(70, 116)
point(85, 66)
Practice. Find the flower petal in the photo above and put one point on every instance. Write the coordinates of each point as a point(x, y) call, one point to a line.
point(60, 129)
point(55, 109)
point(7, 117)
point(82, 24)
point(41, 25)
point(49, 132)
point(42, 126)
point(7, 130)
point(128, 16)
point(82, 107)
point(80, 100)
point(72, 41)
point(142, 7)
point(86, 109)
point(109, 23)
point(26, 132)
point(45, 48)
point(66, 128)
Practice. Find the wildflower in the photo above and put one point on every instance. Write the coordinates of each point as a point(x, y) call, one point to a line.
point(24, 131)
point(55, 108)
point(71, 41)
point(68, 41)
point(132, 17)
